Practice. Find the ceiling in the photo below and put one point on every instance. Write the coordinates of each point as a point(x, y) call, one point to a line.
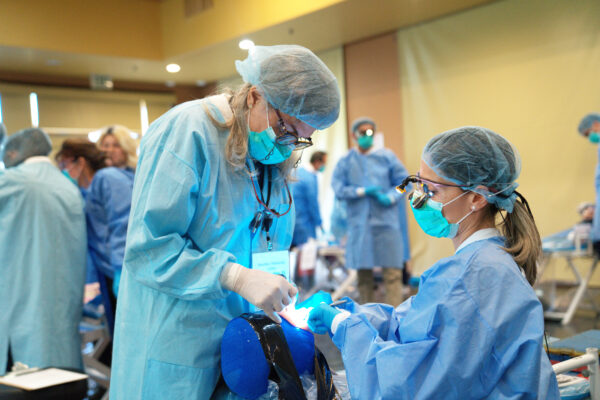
point(135, 39)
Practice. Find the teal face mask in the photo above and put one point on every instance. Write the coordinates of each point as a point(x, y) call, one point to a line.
point(263, 147)
point(594, 137)
point(432, 221)
point(365, 142)
point(65, 173)
point(321, 168)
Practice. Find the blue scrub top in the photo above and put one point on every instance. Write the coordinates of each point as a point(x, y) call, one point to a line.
point(107, 206)
point(375, 232)
point(42, 266)
point(473, 331)
point(190, 217)
point(305, 191)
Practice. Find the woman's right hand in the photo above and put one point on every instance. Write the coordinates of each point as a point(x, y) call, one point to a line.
point(267, 291)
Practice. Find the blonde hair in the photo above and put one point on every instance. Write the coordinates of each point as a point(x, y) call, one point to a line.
point(236, 147)
point(523, 241)
point(125, 139)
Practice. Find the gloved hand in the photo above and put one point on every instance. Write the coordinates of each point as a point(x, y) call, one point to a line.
point(315, 300)
point(383, 199)
point(321, 318)
point(269, 292)
point(372, 190)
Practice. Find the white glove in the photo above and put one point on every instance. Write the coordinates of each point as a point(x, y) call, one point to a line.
point(269, 292)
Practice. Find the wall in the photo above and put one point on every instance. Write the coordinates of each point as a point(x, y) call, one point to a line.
point(528, 70)
point(73, 112)
point(373, 87)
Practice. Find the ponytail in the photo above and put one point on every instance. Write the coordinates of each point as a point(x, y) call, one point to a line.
point(523, 241)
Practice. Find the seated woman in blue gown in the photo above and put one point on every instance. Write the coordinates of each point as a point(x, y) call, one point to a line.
point(474, 330)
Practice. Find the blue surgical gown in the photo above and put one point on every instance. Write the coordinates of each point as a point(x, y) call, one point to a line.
point(107, 205)
point(473, 331)
point(374, 231)
point(42, 266)
point(595, 234)
point(190, 216)
point(306, 198)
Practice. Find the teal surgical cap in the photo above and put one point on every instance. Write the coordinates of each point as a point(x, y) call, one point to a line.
point(294, 81)
point(478, 160)
point(362, 120)
point(586, 122)
point(24, 144)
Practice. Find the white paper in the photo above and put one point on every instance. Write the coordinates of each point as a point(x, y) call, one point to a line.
point(41, 379)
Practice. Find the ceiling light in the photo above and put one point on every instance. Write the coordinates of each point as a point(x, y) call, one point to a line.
point(173, 68)
point(246, 44)
point(200, 83)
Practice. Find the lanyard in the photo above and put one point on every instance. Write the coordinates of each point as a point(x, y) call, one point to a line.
point(264, 218)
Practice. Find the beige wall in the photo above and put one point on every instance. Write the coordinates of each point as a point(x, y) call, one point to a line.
point(72, 112)
point(373, 87)
point(528, 70)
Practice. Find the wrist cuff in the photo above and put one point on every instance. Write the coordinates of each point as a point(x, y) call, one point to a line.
point(337, 319)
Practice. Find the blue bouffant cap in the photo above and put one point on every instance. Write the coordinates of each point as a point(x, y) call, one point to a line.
point(295, 81)
point(478, 160)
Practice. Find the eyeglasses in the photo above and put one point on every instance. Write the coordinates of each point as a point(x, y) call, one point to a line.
point(366, 132)
point(287, 138)
point(419, 196)
point(64, 162)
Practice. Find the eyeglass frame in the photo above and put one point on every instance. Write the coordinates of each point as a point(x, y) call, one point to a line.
point(365, 132)
point(287, 138)
point(421, 193)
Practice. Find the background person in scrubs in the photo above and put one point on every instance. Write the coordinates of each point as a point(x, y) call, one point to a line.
point(210, 192)
point(365, 179)
point(589, 127)
point(42, 257)
point(120, 147)
point(475, 328)
point(107, 192)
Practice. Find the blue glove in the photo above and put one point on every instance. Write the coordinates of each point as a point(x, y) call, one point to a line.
point(321, 318)
point(372, 190)
point(116, 280)
point(316, 299)
point(383, 199)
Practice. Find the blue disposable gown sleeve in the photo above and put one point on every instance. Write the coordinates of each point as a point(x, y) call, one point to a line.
point(159, 253)
point(340, 182)
point(401, 354)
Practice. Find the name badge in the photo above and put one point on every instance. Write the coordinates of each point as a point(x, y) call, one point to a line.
point(274, 262)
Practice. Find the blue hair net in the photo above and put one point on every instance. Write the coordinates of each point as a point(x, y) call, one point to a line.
point(586, 122)
point(478, 160)
point(294, 81)
point(24, 144)
point(362, 120)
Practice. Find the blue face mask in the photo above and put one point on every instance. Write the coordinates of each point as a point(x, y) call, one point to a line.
point(594, 137)
point(263, 147)
point(321, 168)
point(432, 221)
point(365, 142)
point(66, 173)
